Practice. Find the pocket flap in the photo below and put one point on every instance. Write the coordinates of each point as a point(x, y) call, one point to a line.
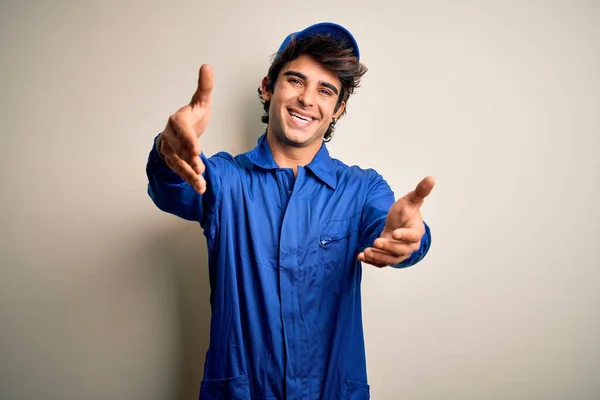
point(236, 388)
point(357, 391)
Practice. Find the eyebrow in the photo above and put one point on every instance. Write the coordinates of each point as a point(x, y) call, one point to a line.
point(302, 76)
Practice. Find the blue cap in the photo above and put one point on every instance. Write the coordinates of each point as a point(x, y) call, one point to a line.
point(330, 28)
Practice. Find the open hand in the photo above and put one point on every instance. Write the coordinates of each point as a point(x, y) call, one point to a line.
point(403, 229)
point(179, 143)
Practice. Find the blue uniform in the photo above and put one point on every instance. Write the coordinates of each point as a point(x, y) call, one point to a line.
point(285, 280)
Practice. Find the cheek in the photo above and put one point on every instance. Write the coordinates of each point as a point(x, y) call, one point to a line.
point(330, 104)
point(327, 110)
point(284, 93)
point(275, 105)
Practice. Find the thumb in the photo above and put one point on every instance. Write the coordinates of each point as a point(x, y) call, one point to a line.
point(423, 189)
point(205, 85)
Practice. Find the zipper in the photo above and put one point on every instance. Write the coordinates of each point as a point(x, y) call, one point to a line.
point(328, 240)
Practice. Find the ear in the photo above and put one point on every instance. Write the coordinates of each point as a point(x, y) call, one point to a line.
point(264, 89)
point(339, 111)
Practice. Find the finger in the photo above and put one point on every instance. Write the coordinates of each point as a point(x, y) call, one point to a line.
point(377, 256)
point(200, 184)
point(176, 163)
point(183, 169)
point(178, 133)
point(407, 235)
point(363, 258)
point(205, 85)
point(395, 248)
point(185, 144)
point(190, 153)
point(422, 190)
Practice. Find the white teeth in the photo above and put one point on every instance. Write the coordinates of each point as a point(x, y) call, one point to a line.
point(302, 117)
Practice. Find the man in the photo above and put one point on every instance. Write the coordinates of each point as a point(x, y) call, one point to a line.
point(287, 228)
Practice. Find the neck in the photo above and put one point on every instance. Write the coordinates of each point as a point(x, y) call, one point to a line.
point(289, 156)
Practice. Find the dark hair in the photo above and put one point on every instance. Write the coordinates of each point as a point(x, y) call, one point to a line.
point(333, 54)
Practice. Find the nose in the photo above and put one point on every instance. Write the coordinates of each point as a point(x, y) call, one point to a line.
point(307, 97)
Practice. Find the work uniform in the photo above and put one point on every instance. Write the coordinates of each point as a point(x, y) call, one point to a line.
point(285, 296)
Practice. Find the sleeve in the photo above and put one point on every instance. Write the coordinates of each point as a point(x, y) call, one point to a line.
point(379, 199)
point(173, 195)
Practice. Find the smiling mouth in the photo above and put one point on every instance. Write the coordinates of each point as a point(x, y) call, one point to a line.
point(300, 119)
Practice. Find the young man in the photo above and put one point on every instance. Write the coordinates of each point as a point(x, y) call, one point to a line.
point(287, 228)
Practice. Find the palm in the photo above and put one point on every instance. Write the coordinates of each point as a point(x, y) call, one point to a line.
point(403, 229)
point(403, 214)
point(202, 117)
point(406, 212)
point(198, 115)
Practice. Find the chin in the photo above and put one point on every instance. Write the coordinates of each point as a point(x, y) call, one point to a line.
point(299, 138)
point(303, 140)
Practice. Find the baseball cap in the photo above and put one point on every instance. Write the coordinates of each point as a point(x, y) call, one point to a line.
point(335, 30)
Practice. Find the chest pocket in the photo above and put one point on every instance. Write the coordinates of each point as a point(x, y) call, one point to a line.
point(337, 246)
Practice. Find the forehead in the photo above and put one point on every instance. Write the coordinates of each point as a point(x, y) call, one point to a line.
point(312, 69)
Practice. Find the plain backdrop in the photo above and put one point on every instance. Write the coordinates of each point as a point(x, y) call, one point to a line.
point(103, 296)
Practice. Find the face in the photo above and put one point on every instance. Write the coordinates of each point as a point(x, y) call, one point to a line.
point(302, 103)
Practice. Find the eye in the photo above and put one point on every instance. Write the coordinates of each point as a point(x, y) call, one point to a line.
point(326, 92)
point(295, 81)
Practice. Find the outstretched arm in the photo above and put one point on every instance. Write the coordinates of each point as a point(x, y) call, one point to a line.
point(177, 170)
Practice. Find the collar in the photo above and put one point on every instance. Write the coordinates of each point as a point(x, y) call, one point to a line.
point(322, 165)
